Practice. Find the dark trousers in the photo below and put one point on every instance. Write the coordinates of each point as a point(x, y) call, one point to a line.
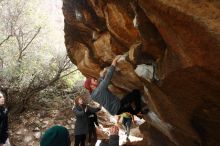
point(92, 132)
point(127, 125)
point(133, 96)
point(80, 140)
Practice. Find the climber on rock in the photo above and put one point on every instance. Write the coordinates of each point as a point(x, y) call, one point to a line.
point(100, 93)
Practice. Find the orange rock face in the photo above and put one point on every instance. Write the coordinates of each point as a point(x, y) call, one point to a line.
point(179, 39)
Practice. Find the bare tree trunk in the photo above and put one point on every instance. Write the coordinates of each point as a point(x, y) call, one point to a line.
point(32, 92)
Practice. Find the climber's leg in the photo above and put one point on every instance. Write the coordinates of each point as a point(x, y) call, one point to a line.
point(131, 103)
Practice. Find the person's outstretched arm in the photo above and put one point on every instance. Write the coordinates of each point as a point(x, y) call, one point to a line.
point(78, 112)
point(105, 82)
point(92, 109)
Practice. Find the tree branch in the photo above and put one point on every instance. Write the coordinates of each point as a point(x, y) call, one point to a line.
point(5, 39)
point(68, 73)
point(1, 63)
point(22, 48)
point(35, 35)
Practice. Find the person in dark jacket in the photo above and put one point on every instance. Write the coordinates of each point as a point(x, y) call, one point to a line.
point(100, 93)
point(3, 121)
point(93, 122)
point(81, 125)
point(113, 138)
point(56, 136)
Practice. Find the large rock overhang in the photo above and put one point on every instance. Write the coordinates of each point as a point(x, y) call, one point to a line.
point(173, 45)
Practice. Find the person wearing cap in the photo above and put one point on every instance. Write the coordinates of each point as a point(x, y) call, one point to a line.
point(56, 136)
point(100, 93)
point(3, 121)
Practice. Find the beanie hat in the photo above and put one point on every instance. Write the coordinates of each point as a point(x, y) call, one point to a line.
point(55, 136)
point(87, 84)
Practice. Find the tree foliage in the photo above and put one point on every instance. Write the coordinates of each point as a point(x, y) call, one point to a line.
point(31, 59)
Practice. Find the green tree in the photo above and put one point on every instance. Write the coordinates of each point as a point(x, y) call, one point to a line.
point(30, 56)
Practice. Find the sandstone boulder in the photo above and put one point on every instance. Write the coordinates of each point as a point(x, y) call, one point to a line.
point(180, 43)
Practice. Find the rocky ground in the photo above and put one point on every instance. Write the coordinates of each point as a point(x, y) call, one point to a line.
point(27, 129)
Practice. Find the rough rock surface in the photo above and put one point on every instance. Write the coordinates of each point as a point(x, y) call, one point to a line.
point(179, 39)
